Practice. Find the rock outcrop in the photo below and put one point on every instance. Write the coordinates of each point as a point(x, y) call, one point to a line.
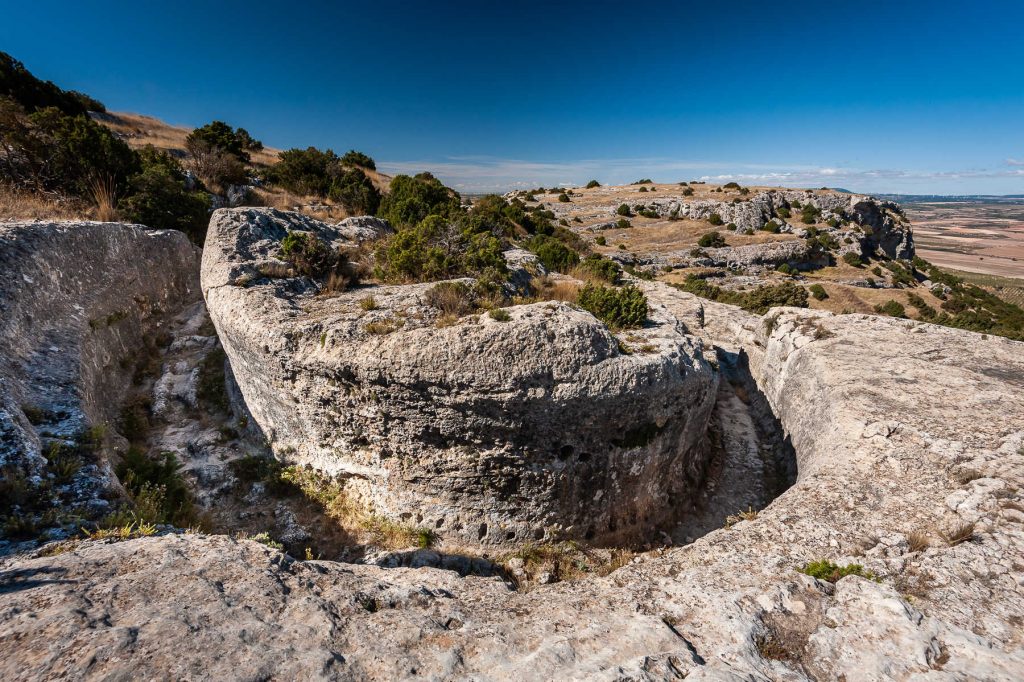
point(535, 428)
point(908, 438)
point(80, 305)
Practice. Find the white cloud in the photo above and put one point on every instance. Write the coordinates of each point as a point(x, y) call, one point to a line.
point(1015, 162)
point(478, 174)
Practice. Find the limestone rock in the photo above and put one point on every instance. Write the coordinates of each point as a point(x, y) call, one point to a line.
point(79, 303)
point(491, 431)
point(882, 412)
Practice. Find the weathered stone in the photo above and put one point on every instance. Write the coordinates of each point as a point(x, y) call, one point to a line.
point(79, 303)
point(883, 414)
point(495, 431)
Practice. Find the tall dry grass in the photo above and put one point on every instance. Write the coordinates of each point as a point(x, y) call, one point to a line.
point(104, 198)
point(24, 205)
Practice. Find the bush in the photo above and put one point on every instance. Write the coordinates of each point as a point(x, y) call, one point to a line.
point(437, 248)
point(499, 314)
point(891, 308)
point(600, 240)
point(622, 223)
point(600, 267)
point(624, 210)
point(564, 198)
point(553, 254)
point(731, 185)
point(159, 198)
point(715, 219)
point(758, 300)
point(157, 487)
point(32, 94)
point(782, 212)
point(852, 258)
point(643, 181)
point(592, 184)
point(826, 570)
point(354, 158)
point(354, 190)
point(688, 192)
point(411, 199)
point(219, 135)
point(619, 308)
point(307, 172)
point(711, 240)
point(818, 292)
point(787, 269)
point(451, 298)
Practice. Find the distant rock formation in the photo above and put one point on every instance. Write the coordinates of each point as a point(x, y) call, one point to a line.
point(536, 428)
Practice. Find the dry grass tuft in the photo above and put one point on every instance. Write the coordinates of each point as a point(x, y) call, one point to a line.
point(104, 197)
point(918, 542)
point(963, 532)
point(550, 289)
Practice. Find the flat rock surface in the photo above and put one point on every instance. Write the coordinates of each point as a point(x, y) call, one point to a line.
point(904, 432)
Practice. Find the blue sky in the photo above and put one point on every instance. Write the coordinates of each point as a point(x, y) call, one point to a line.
point(915, 97)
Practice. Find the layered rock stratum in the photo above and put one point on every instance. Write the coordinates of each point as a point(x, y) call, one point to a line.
point(534, 428)
point(902, 430)
point(80, 305)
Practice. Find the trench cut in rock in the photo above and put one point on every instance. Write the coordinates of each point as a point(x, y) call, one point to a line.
point(489, 432)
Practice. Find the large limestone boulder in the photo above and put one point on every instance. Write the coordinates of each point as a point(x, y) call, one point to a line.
point(903, 431)
point(539, 427)
point(80, 304)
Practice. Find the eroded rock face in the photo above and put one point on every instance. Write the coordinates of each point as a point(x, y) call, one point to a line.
point(488, 431)
point(79, 304)
point(887, 416)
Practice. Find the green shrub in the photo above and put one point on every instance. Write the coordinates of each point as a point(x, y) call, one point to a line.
point(618, 307)
point(354, 190)
point(688, 192)
point(159, 198)
point(553, 254)
point(826, 570)
point(451, 298)
point(310, 256)
point(787, 269)
point(564, 198)
point(758, 300)
point(891, 308)
point(643, 189)
point(772, 226)
point(731, 185)
point(600, 267)
point(600, 240)
point(782, 212)
point(715, 219)
point(219, 135)
point(643, 181)
point(592, 184)
point(622, 223)
point(852, 258)
point(411, 199)
point(924, 310)
point(435, 249)
point(711, 239)
point(624, 210)
point(32, 94)
point(156, 487)
point(354, 158)
point(307, 172)
point(499, 314)
point(818, 292)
